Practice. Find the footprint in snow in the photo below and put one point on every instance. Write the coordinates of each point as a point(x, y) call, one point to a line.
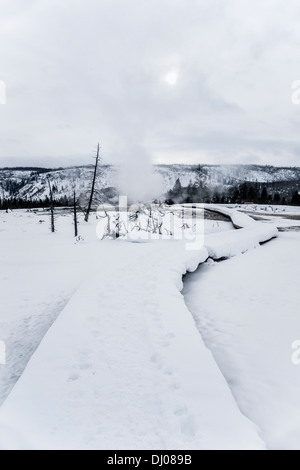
point(73, 377)
point(187, 421)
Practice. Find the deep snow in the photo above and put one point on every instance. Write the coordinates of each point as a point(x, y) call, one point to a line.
point(123, 365)
point(247, 310)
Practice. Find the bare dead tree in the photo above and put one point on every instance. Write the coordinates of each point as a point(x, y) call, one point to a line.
point(51, 207)
point(109, 233)
point(87, 214)
point(117, 222)
point(81, 209)
point(75, 216)
point(150, 222)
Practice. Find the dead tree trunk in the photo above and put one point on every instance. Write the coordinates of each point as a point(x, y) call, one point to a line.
point(118, 225)
point(51, 208)
point(75, 216)
point(93, 186)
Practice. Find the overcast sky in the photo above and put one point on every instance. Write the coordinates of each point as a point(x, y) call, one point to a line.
point(178, 81)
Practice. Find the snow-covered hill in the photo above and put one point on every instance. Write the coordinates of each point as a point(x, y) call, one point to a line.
point(32, 184)
point(226, 174)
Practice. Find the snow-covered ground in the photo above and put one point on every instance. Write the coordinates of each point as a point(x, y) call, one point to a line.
point(286, 218)
point(39, 273)
point(123, 364)
point(247, 311)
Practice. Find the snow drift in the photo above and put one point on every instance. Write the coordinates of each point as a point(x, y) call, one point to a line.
point(124, 365)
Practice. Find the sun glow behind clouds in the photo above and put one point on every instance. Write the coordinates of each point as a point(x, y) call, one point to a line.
point(172, 77)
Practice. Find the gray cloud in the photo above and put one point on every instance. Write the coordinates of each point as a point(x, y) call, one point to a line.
point(78, 72)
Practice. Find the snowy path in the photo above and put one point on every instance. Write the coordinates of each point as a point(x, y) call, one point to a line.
point(124, 365)
point(38, 276)
point(247, 310)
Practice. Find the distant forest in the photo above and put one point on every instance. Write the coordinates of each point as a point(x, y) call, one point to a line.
point(201, 190)
point(278, 193)
point(19, 203)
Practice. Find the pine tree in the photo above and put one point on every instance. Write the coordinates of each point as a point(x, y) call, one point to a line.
point(276, 198)
point(264, 196)
point(295, 199)
point(177, 190)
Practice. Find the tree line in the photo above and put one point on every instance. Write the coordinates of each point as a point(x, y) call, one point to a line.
point(20, 203)
point(276, 193)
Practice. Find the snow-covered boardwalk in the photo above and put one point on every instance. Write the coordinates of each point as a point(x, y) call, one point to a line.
point(124, 365)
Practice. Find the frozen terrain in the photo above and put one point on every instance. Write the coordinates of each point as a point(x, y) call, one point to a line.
point(124, 364)
point(247, 310)
point(39, 273)
point(32, 183)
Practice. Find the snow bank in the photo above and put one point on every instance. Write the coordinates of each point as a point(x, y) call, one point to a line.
point(124, 365)
point(247, 310)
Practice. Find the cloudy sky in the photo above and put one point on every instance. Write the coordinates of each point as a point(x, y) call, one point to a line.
point(163, 80)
